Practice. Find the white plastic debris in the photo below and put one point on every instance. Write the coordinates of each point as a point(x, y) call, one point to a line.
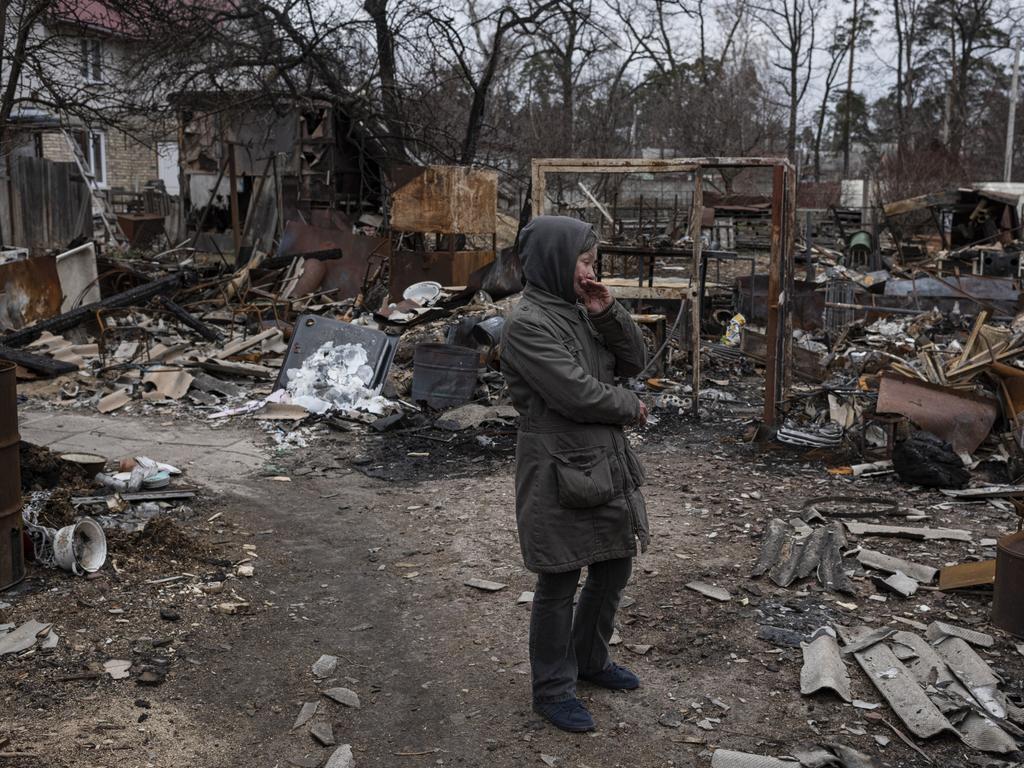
point(335, 377)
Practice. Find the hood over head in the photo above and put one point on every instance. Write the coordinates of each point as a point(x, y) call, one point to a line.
point(548, 248)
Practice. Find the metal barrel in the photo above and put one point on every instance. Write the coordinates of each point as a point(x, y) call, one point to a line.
point(12, 553)
point(1007, 607)
point(444, 375)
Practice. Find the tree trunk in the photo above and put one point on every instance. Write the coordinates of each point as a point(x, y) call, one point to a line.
point(849, 91)
point(794, 63)
point(900, 129)
point(475, 121)
point(390, 99)
point(568, 110)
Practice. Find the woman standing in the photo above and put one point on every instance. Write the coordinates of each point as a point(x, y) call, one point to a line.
point(577, 481)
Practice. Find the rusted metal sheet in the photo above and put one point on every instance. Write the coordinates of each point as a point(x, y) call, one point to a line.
point(961, 419)
point(447, 199)
point(12, 565)
point(806, 364)
point(343, 276)
point(444, 267)
point(1007, 610)
point(29, 291)
point(979, 287)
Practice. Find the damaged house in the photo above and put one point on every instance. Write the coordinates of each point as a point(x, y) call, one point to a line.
point(73, 120)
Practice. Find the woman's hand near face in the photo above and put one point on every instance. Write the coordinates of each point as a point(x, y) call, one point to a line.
point(596, 297)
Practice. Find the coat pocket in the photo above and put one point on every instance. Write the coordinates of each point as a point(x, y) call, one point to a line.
point(584, 477)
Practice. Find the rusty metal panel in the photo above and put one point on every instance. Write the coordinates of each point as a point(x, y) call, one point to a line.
point(344, 276)
point(446, 268)
point(451, 199)
point(29, 291)
point(961, 419)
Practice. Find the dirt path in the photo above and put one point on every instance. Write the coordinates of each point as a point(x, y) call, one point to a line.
point(372, 571)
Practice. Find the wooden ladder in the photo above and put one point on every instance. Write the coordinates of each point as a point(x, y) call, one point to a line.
point(100, 200)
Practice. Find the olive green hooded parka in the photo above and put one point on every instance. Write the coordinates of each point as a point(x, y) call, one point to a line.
point(577, 480)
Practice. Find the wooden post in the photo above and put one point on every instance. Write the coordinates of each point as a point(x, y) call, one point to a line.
point(781, 278)
point(236, 228)
point(772, 391)
point(280, 198)
point(537, 204)
point(696, 214)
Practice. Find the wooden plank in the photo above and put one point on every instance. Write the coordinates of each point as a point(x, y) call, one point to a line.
point(920, 202)
point(696, 217)
point(979, 321)
point(775, 325)
point(663, 288)
point(633, 164)
point(968, 575)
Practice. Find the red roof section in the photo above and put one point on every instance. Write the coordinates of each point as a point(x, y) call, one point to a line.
point(91, 13)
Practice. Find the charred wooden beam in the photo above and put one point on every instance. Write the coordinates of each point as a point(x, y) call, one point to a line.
point(62, 322)
point(38, 363)
point(206, 331)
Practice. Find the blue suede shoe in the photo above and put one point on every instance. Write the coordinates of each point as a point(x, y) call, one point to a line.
point(569, 715)
point(615, 677)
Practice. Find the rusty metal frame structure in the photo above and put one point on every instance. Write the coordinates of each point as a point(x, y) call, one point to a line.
point(778, 369)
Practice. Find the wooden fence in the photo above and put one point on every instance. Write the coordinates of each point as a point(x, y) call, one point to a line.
point(44, 205)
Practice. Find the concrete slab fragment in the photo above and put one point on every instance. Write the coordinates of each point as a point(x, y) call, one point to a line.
point(932, 673)
point(709, 590)
point(341, 758)
point(939, 630)
point(23, 637)
point(306, 713)
point(975, 675)
point(728, 758)
point(344, 696)
point(485, 585)
point(880, 561)
point(898, 583)
point(894, 681)
point(907, 532)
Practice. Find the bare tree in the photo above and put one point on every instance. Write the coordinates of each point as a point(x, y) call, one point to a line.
point(567, 45)
point(907, 23)
point(477, 48)
point(792, 24)
point(858, 28)
point(836, 51)
point(965, 33)
point(18, 23)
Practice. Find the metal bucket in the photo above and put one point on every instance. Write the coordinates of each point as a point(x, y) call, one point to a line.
point(80, 548)
point(488, 331)
point(12, 552)
point(444, 375)
point(1007, 607)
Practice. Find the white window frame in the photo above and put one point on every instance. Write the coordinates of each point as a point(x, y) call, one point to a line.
point(90, 65)
point(90, 154)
